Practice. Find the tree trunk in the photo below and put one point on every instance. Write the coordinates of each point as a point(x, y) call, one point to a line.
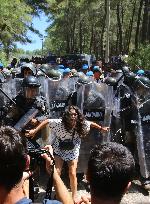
point(117, 41)
point(138, 25)
point(130, 28)
point(80, 33)
point(119, 27)
point(103, 31)
point(144, 33)
point(91, 40)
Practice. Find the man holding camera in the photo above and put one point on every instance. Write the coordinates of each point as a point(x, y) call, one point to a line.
point(14, 161)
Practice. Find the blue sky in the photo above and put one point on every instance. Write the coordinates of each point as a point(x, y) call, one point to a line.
point(41, 25)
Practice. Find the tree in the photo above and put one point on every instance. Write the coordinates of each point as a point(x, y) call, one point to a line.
point(81, 26)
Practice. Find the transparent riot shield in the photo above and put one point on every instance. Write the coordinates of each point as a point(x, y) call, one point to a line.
point(142, 93)
point(72, 83)
point(58, 92)
point(109, 105)
point(2, 104)
point(123, 105)
point(44, 86)
point(18, 85)
point(9, 87)
point(95, 101)
point(91, 100)
point(2, 78)
point(8, 91)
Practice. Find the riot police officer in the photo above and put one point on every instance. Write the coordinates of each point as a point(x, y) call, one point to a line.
point(27, 69)
point(26, 100)
point(29, 110)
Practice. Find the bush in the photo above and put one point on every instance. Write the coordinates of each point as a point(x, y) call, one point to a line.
point(3, 58)
point(140, 58)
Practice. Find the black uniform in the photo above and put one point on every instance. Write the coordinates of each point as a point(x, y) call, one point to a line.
point(24, 105)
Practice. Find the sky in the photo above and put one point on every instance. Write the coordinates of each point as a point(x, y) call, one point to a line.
point(41, 25)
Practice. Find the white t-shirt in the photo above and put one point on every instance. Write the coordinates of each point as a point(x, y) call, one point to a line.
point(61, 134)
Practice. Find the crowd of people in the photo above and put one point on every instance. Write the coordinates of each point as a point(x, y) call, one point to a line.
point(109, 173)
point(29, 117)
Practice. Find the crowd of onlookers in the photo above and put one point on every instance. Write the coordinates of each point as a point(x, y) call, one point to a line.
point(109, 173)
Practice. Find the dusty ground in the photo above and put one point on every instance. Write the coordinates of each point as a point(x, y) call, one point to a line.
point(135, 195)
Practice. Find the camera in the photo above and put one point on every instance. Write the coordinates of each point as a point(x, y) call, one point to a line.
point(35, 157)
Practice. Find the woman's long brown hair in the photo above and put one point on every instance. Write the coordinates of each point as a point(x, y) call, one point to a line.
point(80, 123)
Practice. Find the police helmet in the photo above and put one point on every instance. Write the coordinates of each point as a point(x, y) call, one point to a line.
point(30, 81)
point(30, 66)
point(140, 72)
point(126, 69)
point(75, 74)
point(129, 78)
point(89, 73)
point(44, 67)
point(54, 74)
point(147, 73)
point(1, 66)
point(110, 81)
point(144, 81)
point(83, 80)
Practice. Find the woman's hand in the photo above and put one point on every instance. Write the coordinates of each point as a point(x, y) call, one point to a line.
point(105, 129)
point(30, 133)
point(85, 200)
point(34, 121)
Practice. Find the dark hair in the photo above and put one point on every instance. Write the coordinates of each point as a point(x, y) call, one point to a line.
point(80, 125)
point(110, 169)
point(13, 157)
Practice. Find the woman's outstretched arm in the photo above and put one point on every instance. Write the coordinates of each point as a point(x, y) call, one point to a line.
point(99, 127)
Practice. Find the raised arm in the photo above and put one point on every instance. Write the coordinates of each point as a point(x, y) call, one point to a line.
point(99, 127)
point(31, 133)
point(61, 191)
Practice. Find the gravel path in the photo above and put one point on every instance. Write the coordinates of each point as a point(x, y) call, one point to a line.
point(135, 195)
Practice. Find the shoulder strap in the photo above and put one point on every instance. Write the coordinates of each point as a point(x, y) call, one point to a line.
point(73, 134)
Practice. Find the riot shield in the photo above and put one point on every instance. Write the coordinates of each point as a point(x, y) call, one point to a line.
point(9, 89)
point(3, 100)
point(26, 119)
point(143, 128)
point(2, 78)
point(96, 102)
point(18, 85)
point(44, 86)
point(124, 105)
point(72, 83)
point(58, 92)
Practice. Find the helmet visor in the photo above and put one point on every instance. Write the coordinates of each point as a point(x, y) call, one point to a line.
point(31, 92)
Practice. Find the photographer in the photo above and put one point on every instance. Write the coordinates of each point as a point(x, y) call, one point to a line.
point(110, 172)
point(14, 160)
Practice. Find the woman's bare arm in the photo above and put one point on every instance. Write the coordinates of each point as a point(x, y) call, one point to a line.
point(99, 127)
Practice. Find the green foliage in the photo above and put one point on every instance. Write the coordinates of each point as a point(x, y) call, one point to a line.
point(140, 58)
point(80, 26)
point(3, 58)
point(77, 26)
point(16, 20)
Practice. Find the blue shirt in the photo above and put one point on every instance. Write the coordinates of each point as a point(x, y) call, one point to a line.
point(45, 201)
